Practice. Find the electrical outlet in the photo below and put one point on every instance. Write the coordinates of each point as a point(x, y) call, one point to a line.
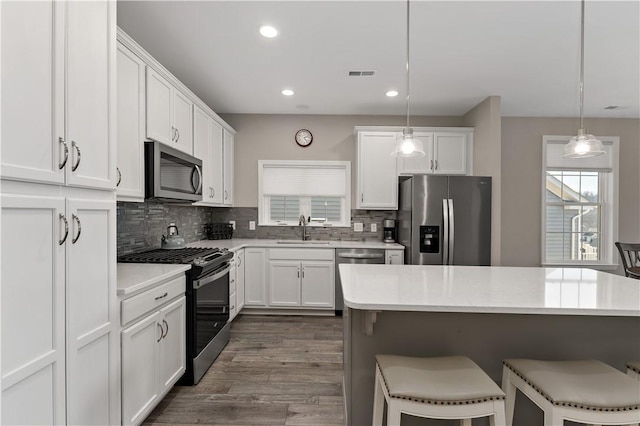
point(374, 227)
point(233, 224)
point(358, 227)
point(252, 225)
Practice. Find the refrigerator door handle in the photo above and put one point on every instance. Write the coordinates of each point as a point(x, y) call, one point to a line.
point(452, 238)
point(445, 231)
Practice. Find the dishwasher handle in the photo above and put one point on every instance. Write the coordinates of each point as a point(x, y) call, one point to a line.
point(361, 255)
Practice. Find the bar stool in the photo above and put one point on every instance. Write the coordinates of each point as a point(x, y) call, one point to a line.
point(583, 391)
point(633, 369)
point(451, 387)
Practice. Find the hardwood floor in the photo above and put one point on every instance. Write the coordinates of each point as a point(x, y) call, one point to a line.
point(276, 370)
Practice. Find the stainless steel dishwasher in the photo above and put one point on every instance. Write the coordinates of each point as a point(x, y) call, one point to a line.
point(360, 256)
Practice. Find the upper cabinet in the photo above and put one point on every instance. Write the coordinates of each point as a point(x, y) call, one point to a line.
point(228, 147)
point(447, 151)
point(207, 145)
point(169, 112)
point(58, 103)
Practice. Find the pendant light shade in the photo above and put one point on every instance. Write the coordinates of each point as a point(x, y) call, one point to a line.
point(583, 145)
point(408, 146)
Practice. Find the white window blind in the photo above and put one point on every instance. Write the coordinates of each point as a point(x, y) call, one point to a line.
point(554, 160)
point(302, 180)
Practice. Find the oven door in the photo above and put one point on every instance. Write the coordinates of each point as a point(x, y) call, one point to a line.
point(211, 303)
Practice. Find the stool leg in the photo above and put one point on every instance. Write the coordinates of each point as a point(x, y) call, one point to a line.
point(510, 391)
point(393, 414)
point(378, 401)
point(465, 422)
point(552, 418)
point(499, 418)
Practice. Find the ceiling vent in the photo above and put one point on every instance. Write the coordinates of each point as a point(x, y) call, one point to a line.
point(362, 73)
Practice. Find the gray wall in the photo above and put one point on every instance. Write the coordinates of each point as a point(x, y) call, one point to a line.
point(522, 185)
point(270, 137)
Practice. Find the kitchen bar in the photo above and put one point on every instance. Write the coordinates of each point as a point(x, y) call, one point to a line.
point(485, 313)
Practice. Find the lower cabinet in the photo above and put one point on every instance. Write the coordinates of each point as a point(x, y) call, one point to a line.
point(299, 282)
point(394, 257)
point(153, 348)
point(255, 277)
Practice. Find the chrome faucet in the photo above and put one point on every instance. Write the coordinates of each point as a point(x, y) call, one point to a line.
point(303, 223)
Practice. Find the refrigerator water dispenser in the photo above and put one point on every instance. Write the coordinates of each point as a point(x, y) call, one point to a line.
point(429, 239)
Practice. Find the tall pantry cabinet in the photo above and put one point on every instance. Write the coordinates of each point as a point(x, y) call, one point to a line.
point(59, 346)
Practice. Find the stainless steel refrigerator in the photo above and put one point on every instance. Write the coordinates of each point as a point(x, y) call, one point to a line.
point(445, 220)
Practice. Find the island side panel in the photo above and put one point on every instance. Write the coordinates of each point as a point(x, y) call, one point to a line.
point(485, 338)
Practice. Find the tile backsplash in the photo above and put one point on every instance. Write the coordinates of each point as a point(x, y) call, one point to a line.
point(141, 225)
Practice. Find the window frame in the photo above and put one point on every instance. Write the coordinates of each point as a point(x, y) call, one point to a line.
point(608, 187)
point(264, 212)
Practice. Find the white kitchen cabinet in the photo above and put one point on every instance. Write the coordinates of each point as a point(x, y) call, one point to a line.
point(240, 279)
point(153, 347)
point(394, 257)
point(446, 153)
point(207, 146)
point(255, 272)
point(70, 244)
point(131, 119)
point(301, 278)
point(169, 113)
point(377, 184)
point(228, 147)
point(58, 101)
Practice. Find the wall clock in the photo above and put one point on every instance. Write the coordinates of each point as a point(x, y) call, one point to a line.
point(304, 138)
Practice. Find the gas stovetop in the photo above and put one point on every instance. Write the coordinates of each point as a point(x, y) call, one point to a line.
point(194, 256)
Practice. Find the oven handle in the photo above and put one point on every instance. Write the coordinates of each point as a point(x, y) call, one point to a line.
point(208, 280)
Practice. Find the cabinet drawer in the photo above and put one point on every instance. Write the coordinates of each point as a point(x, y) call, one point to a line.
point(301, 254)
point(136, 306)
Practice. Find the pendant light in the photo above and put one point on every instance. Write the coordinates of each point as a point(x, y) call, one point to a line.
point(583, 145)
point(407, 146)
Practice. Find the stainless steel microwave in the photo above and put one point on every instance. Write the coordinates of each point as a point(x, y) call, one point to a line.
point(171, 175)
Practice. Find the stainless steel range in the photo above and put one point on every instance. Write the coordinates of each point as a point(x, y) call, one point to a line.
point(207, 295)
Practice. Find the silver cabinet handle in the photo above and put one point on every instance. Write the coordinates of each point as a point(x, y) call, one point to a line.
point(213, 192)
point(163, 296)
point(298, 272)
point(77, 220)
point(167, 330)
point(431, 164)
point(178, 135)
point(362, 197)
point(226, 194)
point(75, 145)
point(119, 176)
point(436, 164)
point(173, 134)
point(66, 154)
point(239, 261)
point(302, 272)
point(66, 229)
point(161, 332)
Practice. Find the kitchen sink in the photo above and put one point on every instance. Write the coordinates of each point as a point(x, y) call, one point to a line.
point(303, 242)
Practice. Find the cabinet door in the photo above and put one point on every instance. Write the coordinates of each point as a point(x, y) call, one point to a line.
point(218, 165)
point(92, 313)
point(173, 344)
point(32, 326)
point(32, 96)
point(140, 361)
point(377, 173)
point(284, 283)
point(254, 277)
point(394, 257)
point(240, 279)
point(318, 288)
point(159, 97)
point(422, 164)
point(201, 149)
point(450, 153)
point(90, 93)
point(182, 121)
point(228, 167)
point(130, 169)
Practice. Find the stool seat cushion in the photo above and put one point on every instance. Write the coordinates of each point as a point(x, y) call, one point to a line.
point(585, 384)
point(450, 380)
point(634, 366)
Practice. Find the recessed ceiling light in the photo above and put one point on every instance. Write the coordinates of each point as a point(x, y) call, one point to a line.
point(287, 92)
point(268, 31)
point(392, 93)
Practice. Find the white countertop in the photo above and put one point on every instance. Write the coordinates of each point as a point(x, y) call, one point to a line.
point(238, 243)
point(136, 277)
point(489, 289)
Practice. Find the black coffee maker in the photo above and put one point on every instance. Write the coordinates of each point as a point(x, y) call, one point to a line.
point(389, 231)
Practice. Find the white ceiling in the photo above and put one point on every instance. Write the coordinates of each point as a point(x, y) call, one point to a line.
point(527, 52)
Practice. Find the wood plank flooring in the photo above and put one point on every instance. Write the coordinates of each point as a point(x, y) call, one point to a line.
point(276, 370)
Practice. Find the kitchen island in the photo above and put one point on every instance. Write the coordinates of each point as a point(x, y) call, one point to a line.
point(486, 313)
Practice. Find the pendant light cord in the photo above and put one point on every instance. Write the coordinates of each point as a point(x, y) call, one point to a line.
point(581, 63)
point(408, 64)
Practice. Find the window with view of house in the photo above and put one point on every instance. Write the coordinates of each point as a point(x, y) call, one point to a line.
point(580, 205)
point(317, 190)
